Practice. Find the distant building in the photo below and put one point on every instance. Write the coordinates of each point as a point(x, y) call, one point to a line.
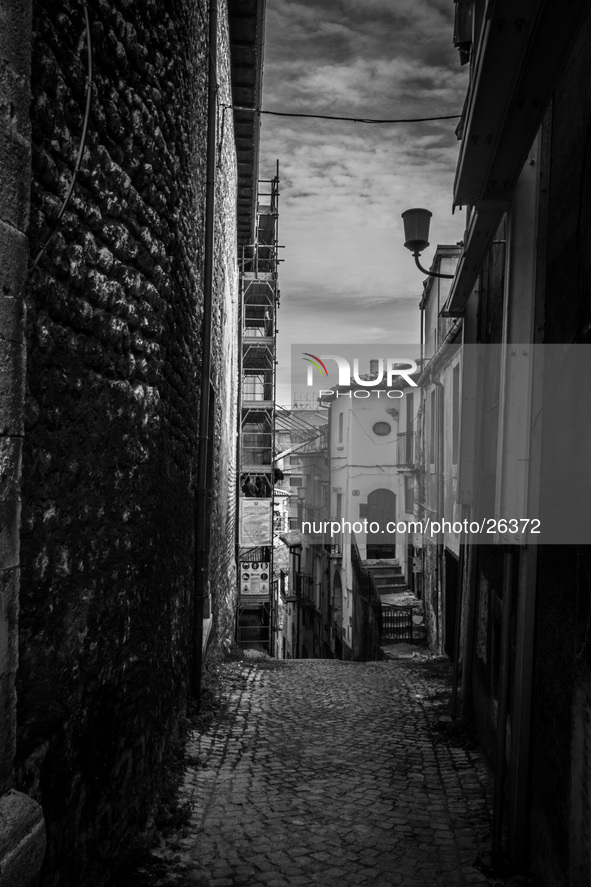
point(372, 495)
point(437, 454)
point(306, 586)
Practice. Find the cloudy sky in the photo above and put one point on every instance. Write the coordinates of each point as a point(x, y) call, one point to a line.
point(346, 275)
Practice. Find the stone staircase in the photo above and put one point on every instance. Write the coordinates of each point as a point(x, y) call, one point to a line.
point(399, 604)
point(387, 575)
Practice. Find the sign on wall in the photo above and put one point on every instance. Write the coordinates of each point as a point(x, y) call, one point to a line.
point(255, 522)
point(254, 579)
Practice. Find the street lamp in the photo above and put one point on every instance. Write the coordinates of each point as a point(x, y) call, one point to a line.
point(301, 501)
point(416, 236)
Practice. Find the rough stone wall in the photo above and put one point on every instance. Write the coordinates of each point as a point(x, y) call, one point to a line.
point(22, 829)
point(223, 579)
point(432, 581)
point(113, 374)
point(15, 158)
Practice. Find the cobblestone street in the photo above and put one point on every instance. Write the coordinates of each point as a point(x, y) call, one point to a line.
point(325, 772)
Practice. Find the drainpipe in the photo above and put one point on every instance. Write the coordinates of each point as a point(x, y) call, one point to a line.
point(422, 335)
point(239, 416)
point(440, 491)
point(203, 481)
point(469, 633)
point(509, 589)
point(458, 623)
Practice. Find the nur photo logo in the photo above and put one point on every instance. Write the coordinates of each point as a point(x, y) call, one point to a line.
point(382, 369)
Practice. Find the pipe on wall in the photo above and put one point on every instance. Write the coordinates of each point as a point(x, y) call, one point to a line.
point(203, 479)
point(439, 473)
point(458, 623)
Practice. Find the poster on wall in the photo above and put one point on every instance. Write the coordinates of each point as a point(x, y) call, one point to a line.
point(255, 522)
point(254, 579)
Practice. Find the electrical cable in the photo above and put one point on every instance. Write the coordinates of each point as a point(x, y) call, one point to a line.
point(204, 22)
point(348, 119)
point(89, 84)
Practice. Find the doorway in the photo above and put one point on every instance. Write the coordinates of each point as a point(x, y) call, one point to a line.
point(381, 509)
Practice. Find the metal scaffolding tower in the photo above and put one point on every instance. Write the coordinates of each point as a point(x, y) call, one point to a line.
point(260, 300)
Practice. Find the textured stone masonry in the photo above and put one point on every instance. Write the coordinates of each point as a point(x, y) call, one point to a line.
point(113, 376)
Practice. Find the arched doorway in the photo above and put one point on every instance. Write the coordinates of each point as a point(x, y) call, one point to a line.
point(381, 509)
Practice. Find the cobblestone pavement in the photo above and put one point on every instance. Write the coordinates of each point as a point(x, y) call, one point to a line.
point(330, 773)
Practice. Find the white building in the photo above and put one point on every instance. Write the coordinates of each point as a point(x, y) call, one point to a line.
point(438, 453)
point(372, 493)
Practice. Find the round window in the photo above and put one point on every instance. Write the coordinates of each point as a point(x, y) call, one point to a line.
point(382, 428)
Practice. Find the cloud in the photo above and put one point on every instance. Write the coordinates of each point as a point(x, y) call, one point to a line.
point(344, 185)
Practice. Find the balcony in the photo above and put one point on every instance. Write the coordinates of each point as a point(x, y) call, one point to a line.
point(303, 589)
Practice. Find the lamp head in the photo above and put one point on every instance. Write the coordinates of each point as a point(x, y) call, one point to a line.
point(416, 229)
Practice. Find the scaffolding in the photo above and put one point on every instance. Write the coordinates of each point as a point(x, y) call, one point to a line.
point(257, 605)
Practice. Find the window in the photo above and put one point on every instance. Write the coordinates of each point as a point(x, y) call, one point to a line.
point(382, 429)
point(409, 495)
point(340, 428)
point(295, 481)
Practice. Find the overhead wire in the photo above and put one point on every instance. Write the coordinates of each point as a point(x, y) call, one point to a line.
point(89, 84)
point(347, 119)
point(88, 103)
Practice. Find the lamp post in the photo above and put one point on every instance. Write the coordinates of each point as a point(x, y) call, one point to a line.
point(416, 237)
point(301, 501)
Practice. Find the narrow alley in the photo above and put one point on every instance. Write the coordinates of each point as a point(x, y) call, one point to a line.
point(329, 772)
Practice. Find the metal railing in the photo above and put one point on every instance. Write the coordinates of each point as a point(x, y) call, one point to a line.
point(397, 623)
point(304, 585)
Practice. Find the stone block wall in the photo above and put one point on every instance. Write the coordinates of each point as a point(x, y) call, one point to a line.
point(113, 377)
point(15, 157)
point(22, 829)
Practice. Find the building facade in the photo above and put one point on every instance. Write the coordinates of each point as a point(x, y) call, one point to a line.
point(438, 437)
point(521, 289)
point(372, 439)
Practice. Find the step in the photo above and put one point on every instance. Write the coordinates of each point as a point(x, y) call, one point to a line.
point(399, 590)
point(387, 579)
point(381, 565)
point(379, 578)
